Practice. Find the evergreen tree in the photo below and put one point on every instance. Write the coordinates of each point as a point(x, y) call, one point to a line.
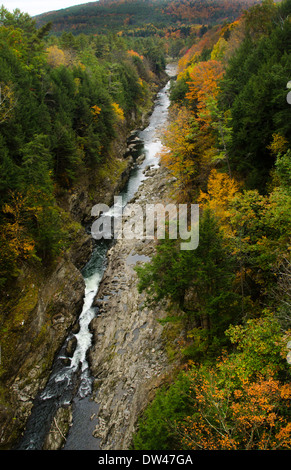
point(200, 282)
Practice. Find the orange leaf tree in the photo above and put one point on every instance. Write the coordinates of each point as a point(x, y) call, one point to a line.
point(242, 402)
point(203, 85)
point(252, 417)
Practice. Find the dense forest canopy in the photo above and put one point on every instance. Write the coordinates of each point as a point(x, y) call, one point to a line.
point(228, 147)
point(62, 102)
point(125, 15)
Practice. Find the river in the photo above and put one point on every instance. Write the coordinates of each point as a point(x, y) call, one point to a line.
point(70, 381)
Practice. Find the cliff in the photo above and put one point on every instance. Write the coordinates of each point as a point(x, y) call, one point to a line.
point(128, 358)
point(43, 304)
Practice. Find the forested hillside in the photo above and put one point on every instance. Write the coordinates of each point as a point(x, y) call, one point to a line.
point(67, 106)
point(143, 17)
point(228, 146)
point(61, 104)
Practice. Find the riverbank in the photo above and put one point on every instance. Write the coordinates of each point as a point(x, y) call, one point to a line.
point(128, 359)
point(53, 315)
point(43, 305)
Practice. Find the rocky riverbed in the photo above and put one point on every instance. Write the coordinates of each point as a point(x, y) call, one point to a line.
point(128, 358)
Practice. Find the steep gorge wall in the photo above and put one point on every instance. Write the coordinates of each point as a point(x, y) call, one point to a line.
point(44, 304)
point(128, 359)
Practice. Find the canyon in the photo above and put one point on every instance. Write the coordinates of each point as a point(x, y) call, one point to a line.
point(95, 395)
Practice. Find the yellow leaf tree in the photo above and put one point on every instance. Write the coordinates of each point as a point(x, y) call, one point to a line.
point(221, 189)
point(181, 153)
point(118, 111)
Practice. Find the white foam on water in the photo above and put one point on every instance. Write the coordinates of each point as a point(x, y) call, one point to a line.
point(84, 335)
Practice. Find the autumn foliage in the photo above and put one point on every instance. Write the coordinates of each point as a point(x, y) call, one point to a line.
point(62, 102)
point(203, 84)
point(135, 54)
point(228, 147)
point(249, 417)
point(126, 14)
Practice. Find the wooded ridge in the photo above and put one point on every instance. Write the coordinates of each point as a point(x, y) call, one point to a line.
point(143, 17)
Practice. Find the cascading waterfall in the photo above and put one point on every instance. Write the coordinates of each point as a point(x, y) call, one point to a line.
point(70, 377)
point(92, 277)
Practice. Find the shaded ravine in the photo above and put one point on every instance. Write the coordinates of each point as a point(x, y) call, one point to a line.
point(70, 380)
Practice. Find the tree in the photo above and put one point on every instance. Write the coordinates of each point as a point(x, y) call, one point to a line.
point(253, 416)
point(66, 155)
point(7, 102)
point(56, 56)
point(204, 84)
point(157, 426)
point(253, 88)
point(17, 19)
point(239, 402)
point(37, 165)
point(182, 154)
point(16, 243)
point(51, 237)
point(283, 169)
point(221, 124)
point(199, 282)
point(221, 189)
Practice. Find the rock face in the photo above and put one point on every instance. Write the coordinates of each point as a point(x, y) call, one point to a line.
point(59, 429)
point(45, 308)
point(57, 305)
point(127, 358)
